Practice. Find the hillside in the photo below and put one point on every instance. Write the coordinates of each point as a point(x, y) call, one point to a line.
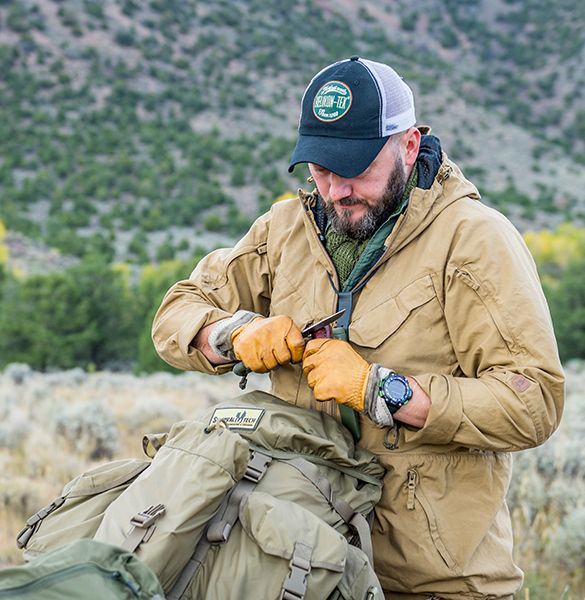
point(143, 130)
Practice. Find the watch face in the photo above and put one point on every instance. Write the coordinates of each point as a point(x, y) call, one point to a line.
point(396, 390)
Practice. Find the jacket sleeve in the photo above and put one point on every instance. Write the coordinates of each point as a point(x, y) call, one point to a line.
point(508, 393)
point(223, 282)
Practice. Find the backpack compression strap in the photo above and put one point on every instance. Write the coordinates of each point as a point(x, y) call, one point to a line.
point(144, 524)
point(354, 520)
point(295, 584)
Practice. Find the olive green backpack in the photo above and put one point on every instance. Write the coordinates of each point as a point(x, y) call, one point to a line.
point(83, 569)
point(254, 498)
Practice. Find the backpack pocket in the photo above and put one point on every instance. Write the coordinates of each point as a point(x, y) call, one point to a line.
point(78, 512)
point(162, 515)
point(282, 550)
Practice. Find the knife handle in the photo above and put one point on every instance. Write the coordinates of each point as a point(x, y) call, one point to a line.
point(324, 332)
point(242, 371)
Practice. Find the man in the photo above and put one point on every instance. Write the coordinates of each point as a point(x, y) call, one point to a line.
point(450, 355)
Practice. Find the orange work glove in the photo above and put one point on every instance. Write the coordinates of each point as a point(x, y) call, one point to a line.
point(335, 371)
point(265, 343)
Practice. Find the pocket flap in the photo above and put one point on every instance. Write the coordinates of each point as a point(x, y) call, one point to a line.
point(379, 322)
point(105, 477)
point(277, 525)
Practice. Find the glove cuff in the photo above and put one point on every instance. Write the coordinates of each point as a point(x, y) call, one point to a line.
point(220, 337)
point(375, 406)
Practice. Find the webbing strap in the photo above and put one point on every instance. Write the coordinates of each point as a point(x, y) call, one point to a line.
point(349, 417)
point(144, 524)
point(189, 569)
point(34, 522)
point(317, 460)
point(360, 525)
point(220, 526)
point(355, 520)
point(294, 586)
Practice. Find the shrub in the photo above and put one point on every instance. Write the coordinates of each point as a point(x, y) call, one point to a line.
point(18, 372)
point(89, 428)
point(567, 304)
point(567, 546)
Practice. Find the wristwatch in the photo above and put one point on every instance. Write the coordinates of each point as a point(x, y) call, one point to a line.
point(395, 390)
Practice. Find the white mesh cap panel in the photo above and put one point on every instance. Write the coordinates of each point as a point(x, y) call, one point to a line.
point(397, 98)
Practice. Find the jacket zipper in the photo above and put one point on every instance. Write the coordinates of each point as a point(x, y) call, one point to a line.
point(415, 493)
point(411, 487)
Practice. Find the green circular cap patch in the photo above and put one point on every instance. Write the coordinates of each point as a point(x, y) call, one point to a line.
point(332, 101)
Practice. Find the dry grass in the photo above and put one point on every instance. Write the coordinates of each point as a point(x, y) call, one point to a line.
point(55, 426)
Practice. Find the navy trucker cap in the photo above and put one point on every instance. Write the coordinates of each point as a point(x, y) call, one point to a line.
point(348, 111)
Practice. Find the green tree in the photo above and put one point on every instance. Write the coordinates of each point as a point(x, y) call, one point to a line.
point(80, 317)
point(154, 283)
point(567, 304)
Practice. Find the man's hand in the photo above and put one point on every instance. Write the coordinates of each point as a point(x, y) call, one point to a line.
point(335, 371)
point(265, 343)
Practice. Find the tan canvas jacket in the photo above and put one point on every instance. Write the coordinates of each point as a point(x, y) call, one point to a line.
point(456, 303)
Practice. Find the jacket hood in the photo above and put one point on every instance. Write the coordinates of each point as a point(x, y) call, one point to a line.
point(448, 185)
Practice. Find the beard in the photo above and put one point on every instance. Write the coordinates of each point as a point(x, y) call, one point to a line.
point(376, 213)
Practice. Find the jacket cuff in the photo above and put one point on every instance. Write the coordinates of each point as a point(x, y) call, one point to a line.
point(445, 414)
point(179, 351)
point(220, 338)
point(375, 407)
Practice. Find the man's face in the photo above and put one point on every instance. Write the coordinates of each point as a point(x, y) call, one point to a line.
point(358, 206)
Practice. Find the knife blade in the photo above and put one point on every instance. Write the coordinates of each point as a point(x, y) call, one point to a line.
point(313, 329)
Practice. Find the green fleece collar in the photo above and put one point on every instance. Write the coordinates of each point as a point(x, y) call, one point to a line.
point(353, 258)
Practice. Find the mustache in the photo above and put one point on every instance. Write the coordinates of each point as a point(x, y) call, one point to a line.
point(349, 201)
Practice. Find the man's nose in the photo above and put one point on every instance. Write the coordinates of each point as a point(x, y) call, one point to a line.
point(339, 187)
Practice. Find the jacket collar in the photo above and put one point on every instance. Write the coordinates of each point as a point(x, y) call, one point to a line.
point(440, 184)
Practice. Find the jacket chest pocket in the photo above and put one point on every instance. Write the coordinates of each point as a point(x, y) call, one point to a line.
point(372, 325)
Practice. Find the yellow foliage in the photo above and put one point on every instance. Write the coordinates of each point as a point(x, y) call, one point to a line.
point(3, 247)
point(556, 249)
point(285, 196)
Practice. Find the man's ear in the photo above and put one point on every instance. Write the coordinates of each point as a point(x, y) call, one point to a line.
point(410, 146)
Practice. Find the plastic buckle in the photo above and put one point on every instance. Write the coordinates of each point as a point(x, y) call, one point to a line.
point(33, 523)
point(295, 584)
point(257, 466)
point(146, 518)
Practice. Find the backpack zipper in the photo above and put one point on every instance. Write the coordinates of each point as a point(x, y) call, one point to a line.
point(67, 572)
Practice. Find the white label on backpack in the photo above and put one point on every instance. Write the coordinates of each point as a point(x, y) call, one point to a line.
point(238, 418)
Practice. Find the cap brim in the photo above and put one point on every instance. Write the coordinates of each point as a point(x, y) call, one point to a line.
point(344, 157)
